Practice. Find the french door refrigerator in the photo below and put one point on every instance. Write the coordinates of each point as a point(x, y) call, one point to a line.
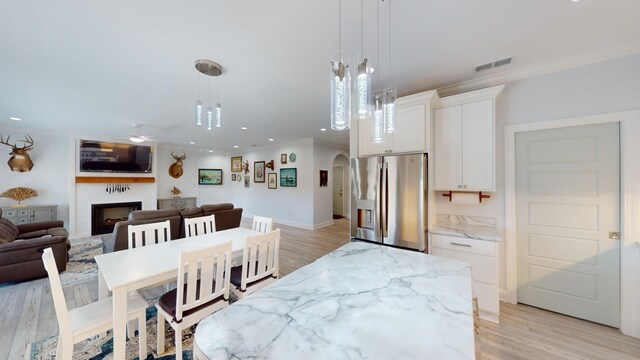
point(389, 200)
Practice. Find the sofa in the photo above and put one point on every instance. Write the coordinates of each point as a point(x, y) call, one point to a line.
point(227, 217)
point(21, 248)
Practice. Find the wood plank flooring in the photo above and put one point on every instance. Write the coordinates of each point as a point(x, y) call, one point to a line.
point(27, 313)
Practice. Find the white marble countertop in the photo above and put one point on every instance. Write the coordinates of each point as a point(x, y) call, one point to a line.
point(362, 301)
point(478, 232)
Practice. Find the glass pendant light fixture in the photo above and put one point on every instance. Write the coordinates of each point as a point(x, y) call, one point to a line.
point(378, 121)
point(218, 107)
point(363, 97)
point(209, 68)
point(340, 84)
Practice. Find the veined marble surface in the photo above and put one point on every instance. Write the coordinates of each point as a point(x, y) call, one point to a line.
point(472, 227)
point(361, 301)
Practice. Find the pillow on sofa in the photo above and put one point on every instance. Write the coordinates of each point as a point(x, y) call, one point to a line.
point(8, 231)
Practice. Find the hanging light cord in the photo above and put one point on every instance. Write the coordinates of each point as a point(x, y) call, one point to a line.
point(340, 25)
point(378, 49)
point(362, 27)
point(218, 88)
point(389, 42)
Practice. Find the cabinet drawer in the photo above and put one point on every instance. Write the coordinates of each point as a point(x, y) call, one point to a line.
point(9, 213)
point(23, 212)
point(483, 268)
point(464, 244)
point(22, 220)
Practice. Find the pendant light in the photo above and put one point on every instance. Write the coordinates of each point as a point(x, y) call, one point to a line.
point(218, 107)
point(340, 84)
point(378, 123)
point(390, 92)
point(363, 97)
point(209, 68)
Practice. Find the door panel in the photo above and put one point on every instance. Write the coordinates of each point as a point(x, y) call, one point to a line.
point(365, 193)
point(410, 129)
point(567, 186)
point(338, 187)
point(448, 148)
point(477, 142)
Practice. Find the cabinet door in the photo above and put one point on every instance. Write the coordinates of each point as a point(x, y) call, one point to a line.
point(366, 146)
point(448, 148)
point(478, 159)
point(43, 214)
point(410, 133)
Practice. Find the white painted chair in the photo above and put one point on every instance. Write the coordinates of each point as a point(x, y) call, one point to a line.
point(199, 225)
point(260, 266)
point(90, 320)
point(203, 288)
point(262, 224)
point(149, 234)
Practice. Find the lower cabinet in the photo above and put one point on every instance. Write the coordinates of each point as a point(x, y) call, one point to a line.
point(30, 214)
point(483, 257)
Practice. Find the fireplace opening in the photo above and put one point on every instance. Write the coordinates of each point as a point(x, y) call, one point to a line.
point(105, 216)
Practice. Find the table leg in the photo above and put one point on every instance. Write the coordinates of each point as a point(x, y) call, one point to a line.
point(103, 290)
point(119, 323)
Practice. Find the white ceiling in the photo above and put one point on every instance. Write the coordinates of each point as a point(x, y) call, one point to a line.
point(96, 67)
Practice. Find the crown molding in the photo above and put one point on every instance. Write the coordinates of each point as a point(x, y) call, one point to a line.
point(472, 96)
point(540, 69)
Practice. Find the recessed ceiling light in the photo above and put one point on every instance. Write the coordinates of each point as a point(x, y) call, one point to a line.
point(575, 0)
point(14, 118)
point(210, 150)
point(243, 128)
point(192, 142)
point(235, 146)
point(323, 129)
point(270, 139)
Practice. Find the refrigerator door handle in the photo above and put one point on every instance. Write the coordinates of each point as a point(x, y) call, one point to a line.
point(384, 199)
point(378, 209)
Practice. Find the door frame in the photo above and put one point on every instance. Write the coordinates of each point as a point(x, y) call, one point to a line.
point(629, 208)
point(343, 191)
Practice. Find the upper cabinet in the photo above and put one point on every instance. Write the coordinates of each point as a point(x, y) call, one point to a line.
point(412, 133)
point(464, 136)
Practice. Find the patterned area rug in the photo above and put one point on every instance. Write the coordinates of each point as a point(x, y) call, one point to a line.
point(82, 267)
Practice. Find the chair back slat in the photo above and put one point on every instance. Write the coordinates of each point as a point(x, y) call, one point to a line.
point(60, 305)
point(200, 225)
point(260, 257)
point(206, 264)
point(149, 234)
point(262, 224)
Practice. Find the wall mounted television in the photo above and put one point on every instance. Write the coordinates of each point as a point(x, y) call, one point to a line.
point(102, 156)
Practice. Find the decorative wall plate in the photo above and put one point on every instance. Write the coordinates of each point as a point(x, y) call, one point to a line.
point(292, 157)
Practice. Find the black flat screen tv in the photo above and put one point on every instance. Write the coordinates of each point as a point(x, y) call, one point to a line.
point(102, 156)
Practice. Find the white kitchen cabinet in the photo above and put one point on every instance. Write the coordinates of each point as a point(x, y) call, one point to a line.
point(412, 133)
point(482, 255)
point(464, 146)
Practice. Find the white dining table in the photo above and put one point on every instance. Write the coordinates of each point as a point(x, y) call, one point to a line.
point(123, 271)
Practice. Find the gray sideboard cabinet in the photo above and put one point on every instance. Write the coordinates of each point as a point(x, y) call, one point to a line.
point(30, 214)
point(177, 203)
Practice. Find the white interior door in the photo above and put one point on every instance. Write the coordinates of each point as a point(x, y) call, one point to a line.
point(567, 185)
point(338, 185)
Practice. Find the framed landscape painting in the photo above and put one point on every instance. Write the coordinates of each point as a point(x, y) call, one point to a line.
point(209, 176)
point(273, 180)
point(289, 177)
point(258, 172)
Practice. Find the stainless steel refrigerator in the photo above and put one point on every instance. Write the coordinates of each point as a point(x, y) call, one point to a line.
point(389, 200)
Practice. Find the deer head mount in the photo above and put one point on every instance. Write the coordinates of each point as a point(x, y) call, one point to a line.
point(19, 160)
point(175, 170)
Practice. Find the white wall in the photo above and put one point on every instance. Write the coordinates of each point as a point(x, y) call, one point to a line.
point(604, 87)
point(49, 176)
point(188, 182)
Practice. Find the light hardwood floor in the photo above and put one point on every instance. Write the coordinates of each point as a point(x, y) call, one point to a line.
point(27, 313)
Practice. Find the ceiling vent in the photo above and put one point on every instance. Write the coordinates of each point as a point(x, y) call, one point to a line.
point(495, 64)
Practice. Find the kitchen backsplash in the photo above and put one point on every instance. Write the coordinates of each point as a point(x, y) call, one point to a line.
point(445, 219)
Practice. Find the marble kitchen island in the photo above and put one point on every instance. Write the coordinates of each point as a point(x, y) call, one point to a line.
point(361, 301)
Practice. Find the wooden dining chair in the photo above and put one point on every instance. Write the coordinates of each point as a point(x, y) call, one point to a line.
point(199, 225)
point(203, 288)
point(262, 224)
point(260, 266)
point(90, 320)
point(149, 234)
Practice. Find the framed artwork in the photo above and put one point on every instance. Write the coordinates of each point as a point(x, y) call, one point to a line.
point(289, 177)
point(233, 177)
point(324, 178)
point(258, 172)
point(246, 181)
point(236, 164)
point(209, 176)
point(273, 180)
point(283, 159)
